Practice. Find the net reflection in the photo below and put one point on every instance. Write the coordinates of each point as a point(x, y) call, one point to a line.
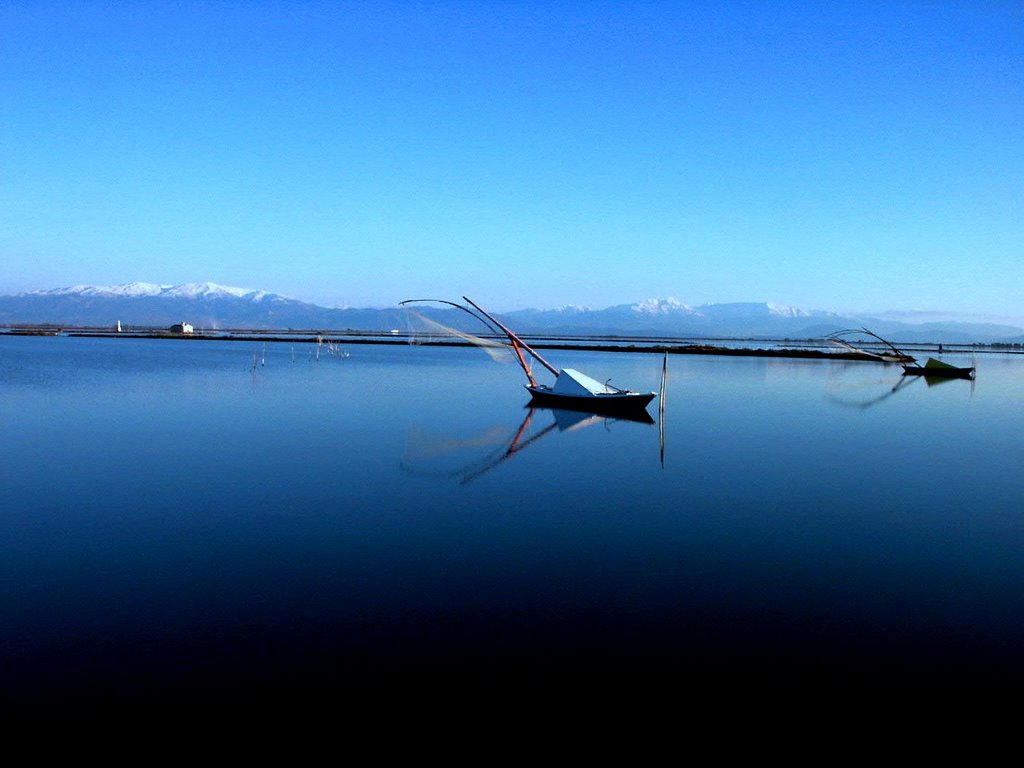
point(851, 394)
point(460, 458)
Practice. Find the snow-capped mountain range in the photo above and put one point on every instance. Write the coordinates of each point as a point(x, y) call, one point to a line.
point(211, 306)
point(184, 291)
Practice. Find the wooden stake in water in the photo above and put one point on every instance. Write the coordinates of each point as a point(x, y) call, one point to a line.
point(661, 407)
point(664, 379)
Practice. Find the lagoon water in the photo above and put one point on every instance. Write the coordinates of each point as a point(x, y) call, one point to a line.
point(227, 519)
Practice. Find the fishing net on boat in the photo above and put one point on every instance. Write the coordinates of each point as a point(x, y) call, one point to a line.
point(421, 329)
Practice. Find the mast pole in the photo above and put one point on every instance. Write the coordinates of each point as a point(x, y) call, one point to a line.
point(516, 342)
point(522, 362)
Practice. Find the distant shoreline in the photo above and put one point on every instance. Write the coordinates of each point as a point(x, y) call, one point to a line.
point(737, 347)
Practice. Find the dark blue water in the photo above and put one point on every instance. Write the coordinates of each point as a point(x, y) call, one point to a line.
point(228, 519)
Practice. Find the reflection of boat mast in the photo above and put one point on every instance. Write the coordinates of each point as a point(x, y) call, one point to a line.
point(517, 444)
point(661, 409)
point(904, 381)
point(504, 448)
point(563, 420)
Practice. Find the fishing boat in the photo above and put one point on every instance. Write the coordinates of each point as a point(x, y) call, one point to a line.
point(889, 353)
point(938, 369)
point(571, 390)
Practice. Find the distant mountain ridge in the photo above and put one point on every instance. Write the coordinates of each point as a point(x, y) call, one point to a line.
point(186, 291)
point(212, 306)
point(747, 320)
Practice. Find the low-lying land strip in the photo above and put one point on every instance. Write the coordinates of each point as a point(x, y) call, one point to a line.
point(793, 348)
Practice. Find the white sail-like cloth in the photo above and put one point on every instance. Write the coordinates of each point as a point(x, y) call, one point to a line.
point(572, 382)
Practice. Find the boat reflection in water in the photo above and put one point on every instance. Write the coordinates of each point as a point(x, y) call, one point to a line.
point(423, 451)
point(902, 384)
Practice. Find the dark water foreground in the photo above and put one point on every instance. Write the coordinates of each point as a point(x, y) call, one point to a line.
point(233, 523)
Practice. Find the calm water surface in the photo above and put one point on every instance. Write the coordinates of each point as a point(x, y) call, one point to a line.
point(221, 518)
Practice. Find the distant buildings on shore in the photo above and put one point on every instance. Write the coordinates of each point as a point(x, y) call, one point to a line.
point(181, 327)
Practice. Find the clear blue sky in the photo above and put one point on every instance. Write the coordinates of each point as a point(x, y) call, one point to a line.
point(826, 155)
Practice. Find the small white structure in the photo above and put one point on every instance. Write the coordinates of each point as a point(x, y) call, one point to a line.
point(118, 326)
point(576, 384)
point(181, 327)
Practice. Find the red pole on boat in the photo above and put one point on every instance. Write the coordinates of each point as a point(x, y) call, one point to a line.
point(516, 342)
point(522, 362)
